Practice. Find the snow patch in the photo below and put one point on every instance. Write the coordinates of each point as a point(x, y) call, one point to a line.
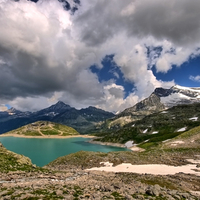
point(166, 140)
point(155, 169)
point(182, 129)
point(145, 130)
point(193, 161)
point(155, 132)
point(164, 112)
point(129, 144)
point(177, 142)
point(187, 88)
point(193, 118)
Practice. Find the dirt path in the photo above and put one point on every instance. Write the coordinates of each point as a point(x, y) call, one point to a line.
point(61, 132)
point(40, 131)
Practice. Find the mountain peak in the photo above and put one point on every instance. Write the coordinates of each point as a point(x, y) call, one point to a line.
point(194, 89)
point(13, 110)
point(60, 103)
point(178, 95)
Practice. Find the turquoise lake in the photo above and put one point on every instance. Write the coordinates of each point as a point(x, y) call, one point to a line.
point(44, 150)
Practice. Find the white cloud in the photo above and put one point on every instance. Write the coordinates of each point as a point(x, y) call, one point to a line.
point(195, 78)
point(163, 65)
point(45, 52)
point(114, 98)
point(3, 108)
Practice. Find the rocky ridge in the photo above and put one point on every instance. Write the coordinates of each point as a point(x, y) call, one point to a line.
point(161, 99)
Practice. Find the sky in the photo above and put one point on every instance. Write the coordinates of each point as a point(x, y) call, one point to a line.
point(108, 54)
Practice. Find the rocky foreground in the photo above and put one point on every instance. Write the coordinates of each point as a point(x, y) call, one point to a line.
point(80, 184)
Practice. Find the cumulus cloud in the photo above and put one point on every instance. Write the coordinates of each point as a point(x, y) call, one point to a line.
point(195, 78)
point(46, 52)
point(3, 108)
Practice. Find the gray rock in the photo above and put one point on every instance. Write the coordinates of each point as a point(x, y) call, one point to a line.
point(169, 197)
point(59, 192)
point(153, 190)
point(3, 193)
point(69, 197)
point(129, 197)
point(184, 195)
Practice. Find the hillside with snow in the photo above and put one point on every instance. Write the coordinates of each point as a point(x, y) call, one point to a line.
point(178, 95)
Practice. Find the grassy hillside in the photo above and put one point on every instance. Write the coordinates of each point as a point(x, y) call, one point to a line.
point(186, 140)
point(10, 161)
point(175, 151)
point(157, 127)
point(44, 128)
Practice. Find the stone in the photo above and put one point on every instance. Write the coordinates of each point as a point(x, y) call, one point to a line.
point(59, 192)
point(129, 197)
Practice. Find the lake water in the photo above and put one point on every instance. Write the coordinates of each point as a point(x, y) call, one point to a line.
point(44, 150)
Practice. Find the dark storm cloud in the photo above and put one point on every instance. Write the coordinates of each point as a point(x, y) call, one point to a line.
point(174, 20)
point(28, 76)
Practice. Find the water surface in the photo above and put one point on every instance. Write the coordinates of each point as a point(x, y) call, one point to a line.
point(41, 151)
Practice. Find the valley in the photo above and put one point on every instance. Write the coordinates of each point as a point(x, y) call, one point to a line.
point(164, 135)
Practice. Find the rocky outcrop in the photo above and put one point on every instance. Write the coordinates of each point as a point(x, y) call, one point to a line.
point(145, 107)
point(10, 161)
point(94, 186)
point(159, 100)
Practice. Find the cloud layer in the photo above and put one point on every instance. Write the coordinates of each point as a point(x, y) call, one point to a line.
point(46, 52)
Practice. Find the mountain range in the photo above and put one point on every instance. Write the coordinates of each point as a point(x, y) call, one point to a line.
point(92, 119)
point(159, 100)
point(82, 120)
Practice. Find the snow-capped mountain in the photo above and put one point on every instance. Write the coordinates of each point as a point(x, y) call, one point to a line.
point(159, 100)
point(178, 95)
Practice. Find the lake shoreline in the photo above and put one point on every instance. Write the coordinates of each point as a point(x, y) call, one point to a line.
point(75, 136)
point(46, 136)
point(132, 148)
point(106, 143)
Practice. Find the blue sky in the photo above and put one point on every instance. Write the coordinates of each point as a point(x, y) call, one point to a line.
point(181, 74)
point(111, 72)
point(108, 54)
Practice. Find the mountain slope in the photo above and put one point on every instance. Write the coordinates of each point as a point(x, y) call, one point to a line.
point(157, 127)
point(159, 100)
point(188, 139)
point(43, 128)
point(178, 95)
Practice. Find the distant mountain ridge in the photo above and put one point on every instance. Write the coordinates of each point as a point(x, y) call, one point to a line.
point(82, 120)
point(92, 119)
point(159, 100)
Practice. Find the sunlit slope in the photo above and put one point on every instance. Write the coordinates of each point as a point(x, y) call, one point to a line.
point(44, 128)
point(157, 127)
